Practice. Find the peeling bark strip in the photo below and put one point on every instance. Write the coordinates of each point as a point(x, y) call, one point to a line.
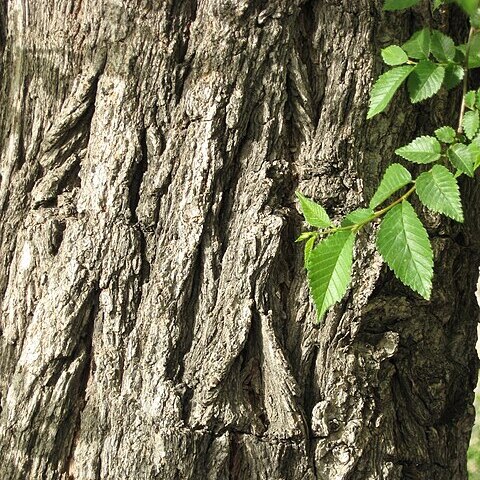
point(155, 322)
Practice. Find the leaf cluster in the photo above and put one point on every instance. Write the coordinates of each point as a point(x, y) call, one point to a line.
point(428, 61)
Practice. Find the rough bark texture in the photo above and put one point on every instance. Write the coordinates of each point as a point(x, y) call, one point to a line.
point(155, 320)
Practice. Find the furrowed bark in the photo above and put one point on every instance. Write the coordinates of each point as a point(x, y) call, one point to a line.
point(155, 320)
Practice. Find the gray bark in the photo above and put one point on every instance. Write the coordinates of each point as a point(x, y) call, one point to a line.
point(155, 319)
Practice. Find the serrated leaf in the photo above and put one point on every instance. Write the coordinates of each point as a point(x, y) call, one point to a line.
point(470, 98)
point(404, 245)
point(308, 249)
point(394, 55)
point(425, 80)
point(358, 216)
point(385, 87)
point(418, 45)
point(399, 4)
point(424, 149)
point(446, 134)
point(462, 158)
point(329, 269)
point(396, 176)
point(314, 213)
point(442, 47)
point(453, 76)
point(470, 123)
point(438, 190)
point(477, 99)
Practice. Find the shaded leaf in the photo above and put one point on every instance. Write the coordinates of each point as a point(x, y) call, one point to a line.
point(474, 53)
point(399, 4)
point(475, 19)
point(474, 148)
point(453, 75)
point(470, 6)
point(442, 46)
point(462, 158)
point(425, 81)
point(418, 45)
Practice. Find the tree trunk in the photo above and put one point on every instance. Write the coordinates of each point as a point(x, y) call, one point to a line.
point(155, 318)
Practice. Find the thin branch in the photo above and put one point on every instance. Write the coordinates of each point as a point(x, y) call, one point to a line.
point(465, 81)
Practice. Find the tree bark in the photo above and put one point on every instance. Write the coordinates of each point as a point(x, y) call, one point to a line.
point(155, 318)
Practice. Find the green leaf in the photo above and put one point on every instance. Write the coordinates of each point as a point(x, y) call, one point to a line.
point(453, 75)
point(446, 134)
point(474, 53)
point(394, 55)
point(358, 216)
point(308, 249)
point(403, 243)
point(329, 269)
point(399, 4)
point(305, 236)
point(424, 149)
point(470, 6)
point(438, 190)
point(475, 19)
point(396, 176)
point(418, 45)
point(442, 46)
point(425, 81)
point(314, 213)
point(476, 141)
point(477, 101)
point(462, 158)
point(470, 98)
point(437, 4)
point(385, 87)
point(471, 122)
point(460, 53)
point(474, 148)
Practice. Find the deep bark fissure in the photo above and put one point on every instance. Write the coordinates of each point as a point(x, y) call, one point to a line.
point(84, 378)
point(175, 365)
point(139, 169)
